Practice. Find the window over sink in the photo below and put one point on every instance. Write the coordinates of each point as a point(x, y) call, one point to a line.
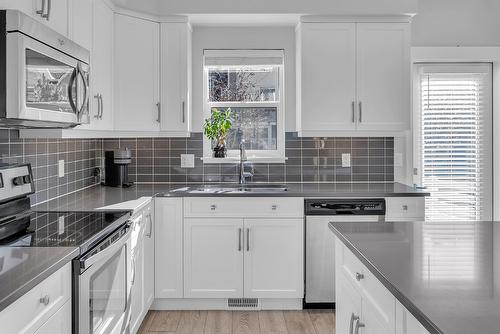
point(250, 83)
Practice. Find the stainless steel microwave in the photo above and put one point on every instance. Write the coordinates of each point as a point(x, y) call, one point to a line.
point(44, 76)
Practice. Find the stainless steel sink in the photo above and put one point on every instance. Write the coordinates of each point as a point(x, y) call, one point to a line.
point(245, 188)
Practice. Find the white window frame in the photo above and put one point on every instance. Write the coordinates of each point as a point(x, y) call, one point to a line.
point(264, 156)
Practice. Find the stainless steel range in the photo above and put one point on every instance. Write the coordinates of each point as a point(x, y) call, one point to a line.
point(101, 272)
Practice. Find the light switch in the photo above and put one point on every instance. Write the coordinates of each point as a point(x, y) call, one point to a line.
point(61, 168)
point(187, 160)
point(346, 160)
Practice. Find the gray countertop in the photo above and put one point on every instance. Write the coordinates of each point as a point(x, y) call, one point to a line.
point(22, 268)
point(445, 274)
point(100, 196)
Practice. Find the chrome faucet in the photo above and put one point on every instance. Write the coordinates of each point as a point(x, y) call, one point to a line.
point(243, 159)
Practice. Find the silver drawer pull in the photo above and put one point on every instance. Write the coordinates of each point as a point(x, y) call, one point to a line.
point(359, 276)
point(213, 207)
point(351, 323)
point(359, 325)
point(274, 207)
point(405, 207)
point(45, 300)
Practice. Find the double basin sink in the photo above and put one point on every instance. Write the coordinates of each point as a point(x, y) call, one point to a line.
point(236, 189)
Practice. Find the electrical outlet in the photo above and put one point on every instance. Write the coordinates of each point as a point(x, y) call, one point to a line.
point(346, 160)
point(60, 225)
point(187, 160)
point(61, 168)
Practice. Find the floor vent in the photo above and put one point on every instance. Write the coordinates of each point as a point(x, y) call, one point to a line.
point(243, 304)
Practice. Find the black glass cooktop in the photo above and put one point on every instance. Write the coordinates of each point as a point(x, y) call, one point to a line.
point(64, 229)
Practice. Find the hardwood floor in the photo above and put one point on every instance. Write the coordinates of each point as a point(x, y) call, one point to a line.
point(239, 322)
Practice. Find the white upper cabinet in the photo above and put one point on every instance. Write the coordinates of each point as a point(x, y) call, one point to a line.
point(383, 76)
point(80, 22)
point(101, 68)
point(136, 83)
point(353, 77)
point(175, 54)
point(53, 13)
point(326, 69)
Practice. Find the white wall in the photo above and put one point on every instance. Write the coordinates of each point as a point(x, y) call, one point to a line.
point(243, 38)
point(457, 22)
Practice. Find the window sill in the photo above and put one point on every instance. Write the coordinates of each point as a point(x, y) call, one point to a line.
point(236, 160)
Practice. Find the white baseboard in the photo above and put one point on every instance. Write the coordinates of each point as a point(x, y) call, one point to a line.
point(221, 304)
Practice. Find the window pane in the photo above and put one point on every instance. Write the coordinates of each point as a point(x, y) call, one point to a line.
point(258, 126)
point(250, 84)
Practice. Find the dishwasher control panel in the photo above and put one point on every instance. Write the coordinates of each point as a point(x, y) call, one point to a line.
point(332, 207)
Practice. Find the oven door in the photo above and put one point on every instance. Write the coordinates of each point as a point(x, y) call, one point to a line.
point(45, 84)
point(103, 286)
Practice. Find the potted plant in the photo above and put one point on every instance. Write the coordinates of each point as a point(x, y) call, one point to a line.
point(216, 128)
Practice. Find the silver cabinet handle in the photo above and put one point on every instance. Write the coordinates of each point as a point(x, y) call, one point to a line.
point(41, 11)
point(158, 107)
point(134, 269)
point(150, 233)
point(45, 300)
point(360, 107)
point(49, 7)
point(98, 106)
point(359, 276)
point(353, 112)
point(351, 323)
point(239, 239)
point(248, 239)
point(213, 207)
point(102, 106)
point(359, 325)
point(183, 112)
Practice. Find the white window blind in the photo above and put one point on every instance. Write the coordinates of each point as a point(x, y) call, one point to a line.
point(454, 140)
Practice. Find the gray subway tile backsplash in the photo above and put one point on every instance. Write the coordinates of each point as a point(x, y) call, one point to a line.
point(158, 160)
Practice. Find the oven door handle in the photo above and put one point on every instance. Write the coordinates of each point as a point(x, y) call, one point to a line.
point(86, 263)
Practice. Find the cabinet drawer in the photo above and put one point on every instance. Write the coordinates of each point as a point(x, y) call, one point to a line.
point(244, 207)
point(59, 323)
point(370, 287)
point(402, 208)
point(29, 312)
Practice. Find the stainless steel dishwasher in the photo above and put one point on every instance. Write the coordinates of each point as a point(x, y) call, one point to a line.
point(320, 248)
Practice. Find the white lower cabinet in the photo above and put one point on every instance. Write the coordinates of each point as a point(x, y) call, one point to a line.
point(213, 258)
point(168, 249)
point(60, 322)
point(43, 309)
point(236, 257)
point(273, 260)
point(363, 304)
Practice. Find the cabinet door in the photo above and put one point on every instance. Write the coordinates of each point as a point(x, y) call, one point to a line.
point(57, 16)
point(274, 261)
point(101, 68)
point(137, 286)
point(374, 321)
point(213, 258)
point(136, 74)
point(80, 22)
point(347, 306)
point(383, 76)
point(58, 323)
point(168, 221)
point(176, 78)
point(326, 77)
point(149, 258)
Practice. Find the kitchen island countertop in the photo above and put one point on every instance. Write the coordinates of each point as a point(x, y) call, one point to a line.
point(445, 273)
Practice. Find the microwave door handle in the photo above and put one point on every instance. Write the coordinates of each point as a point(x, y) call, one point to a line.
point(86, 263)
point(71, 98)
point(85, 99)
